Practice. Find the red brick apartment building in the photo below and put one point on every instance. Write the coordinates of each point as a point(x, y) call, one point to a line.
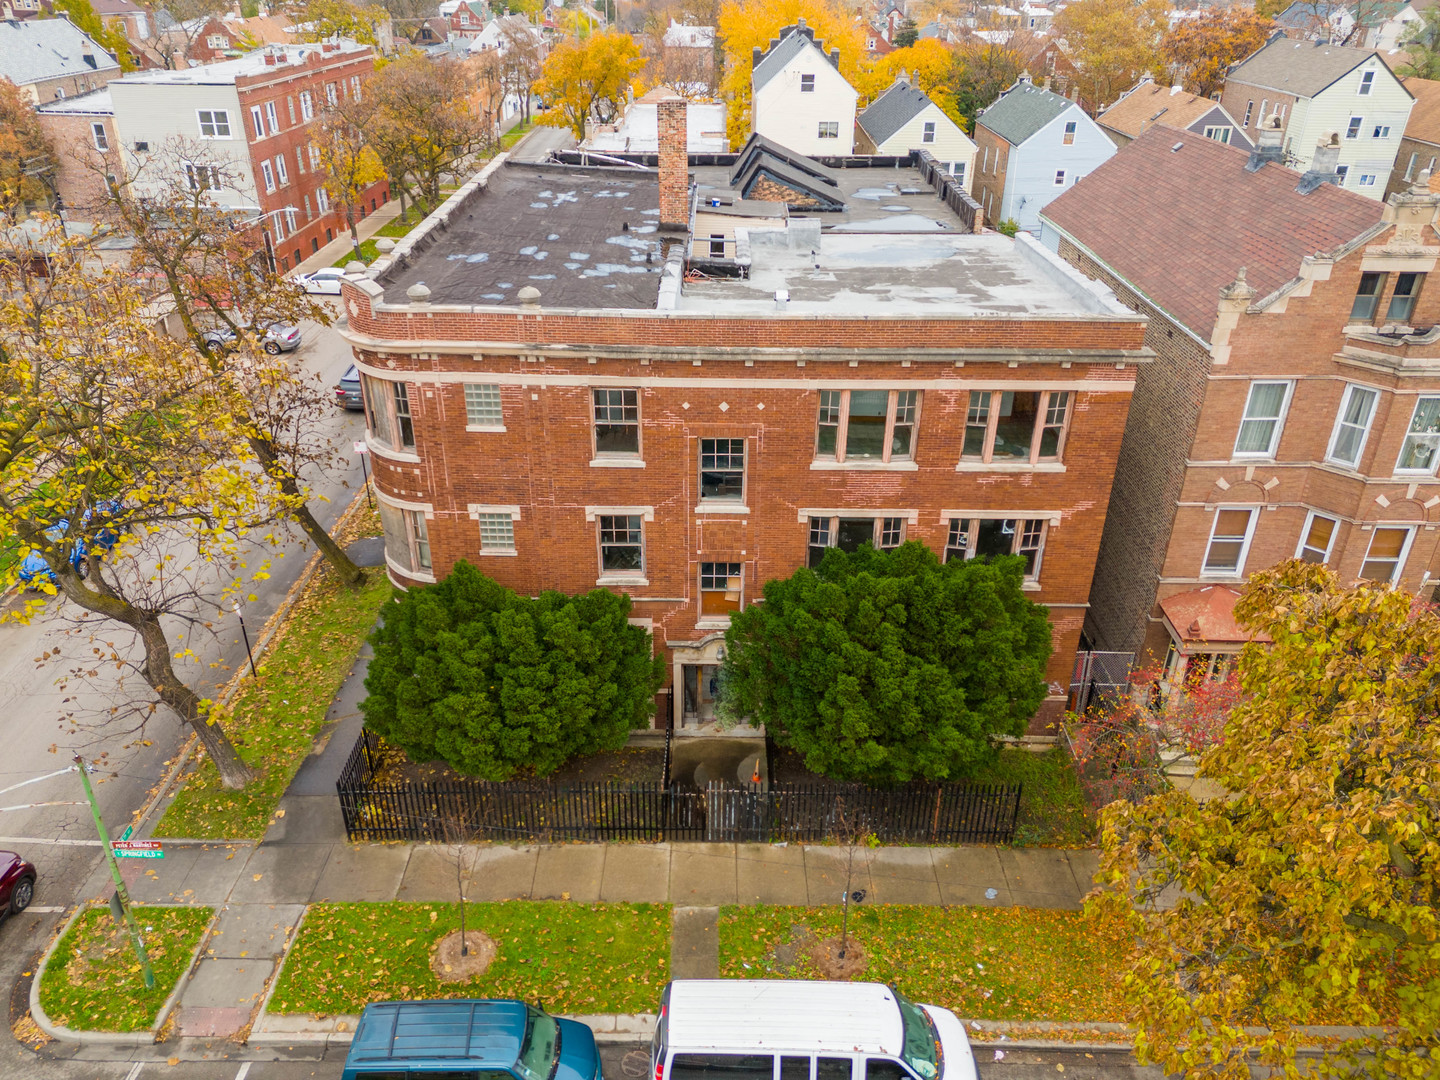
point(557, 395)
point(1293, 408)
point(250, 123)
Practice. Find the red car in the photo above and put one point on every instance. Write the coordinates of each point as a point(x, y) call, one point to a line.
point(17, 883)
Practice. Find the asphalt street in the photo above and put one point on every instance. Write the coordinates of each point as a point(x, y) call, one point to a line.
point(60, 839)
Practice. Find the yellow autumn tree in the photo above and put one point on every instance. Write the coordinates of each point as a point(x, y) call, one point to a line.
point(1112, 43)
point(930, 64)
point(746, 25)
point(585, 79)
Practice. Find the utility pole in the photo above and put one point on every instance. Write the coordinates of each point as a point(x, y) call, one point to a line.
point(122, 893)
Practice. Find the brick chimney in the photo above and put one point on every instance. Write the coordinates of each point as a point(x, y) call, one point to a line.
point(674, 164)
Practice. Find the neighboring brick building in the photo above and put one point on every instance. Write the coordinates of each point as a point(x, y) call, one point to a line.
point(50, 59)
point(1294, 405)
point(553, 397)
point(84, 123)
point(1420, 148)
point(250, 119)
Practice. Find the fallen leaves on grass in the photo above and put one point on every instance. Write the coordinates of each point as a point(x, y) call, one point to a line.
point(1007, 963)
point(93, 980)
point(577, 958)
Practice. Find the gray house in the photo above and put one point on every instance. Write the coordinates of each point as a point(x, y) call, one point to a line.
point(49, 59)
point(1031, 146)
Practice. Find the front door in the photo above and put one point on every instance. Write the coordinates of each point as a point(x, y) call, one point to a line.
point(702, 687)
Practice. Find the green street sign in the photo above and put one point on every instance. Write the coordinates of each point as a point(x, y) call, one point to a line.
point(126, 853)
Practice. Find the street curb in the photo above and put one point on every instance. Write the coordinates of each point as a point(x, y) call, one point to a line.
point(61, 1033)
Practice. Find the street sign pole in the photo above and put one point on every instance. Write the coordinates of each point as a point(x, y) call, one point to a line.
point(361, 449)
point(120, 891)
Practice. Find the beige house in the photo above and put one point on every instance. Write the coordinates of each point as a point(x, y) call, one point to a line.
point(904, 118)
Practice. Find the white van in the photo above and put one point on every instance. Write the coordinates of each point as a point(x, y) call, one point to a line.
point(789, 1029)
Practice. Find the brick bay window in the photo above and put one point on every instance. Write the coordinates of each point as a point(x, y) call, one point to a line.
point(1230, 536)
point(1015, 427)
point(849, 532)
point(387, 413)
point(617, 426)
point(721, 590)
point(988, 538)
point(620, 542)
point(407, 538)
point(866, 427)
point(722, 472)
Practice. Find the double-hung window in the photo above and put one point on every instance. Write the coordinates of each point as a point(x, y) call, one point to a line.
point(257, 119)
point(269, 175)
point(1367, 296)
point(721, 589)
point(99, 137)
point(271, 120)
point(848, 533)
point(1229, 541)
point(622, 544)
point(1317, 538)
point(829, 129)
point(1352, 129)
point(989, 538)
point(307, 106)
point(867, 425)
point(1385, 558)
point(1016, 425)
point(807, 84)
point(1352, 425)
point(407, 538)
point(1367, 83)
point(290, 108)
point(617, 422)
point(419, 537)
point(482, 406)
point(1069, 137)
point(300, 160)
point(387, 413)
point(202, 177)
point(280, 170)
point(214, 123)
point(1402, 300)
point(322, 200)
point(1421, 448)
point(722, 470)
point(330, 96)
point(355, 87)
point(314, 157)
point(927, 132)
point(1260, 427)
point(1059, 177)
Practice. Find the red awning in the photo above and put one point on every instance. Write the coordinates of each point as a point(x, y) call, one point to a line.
point(1206, 615)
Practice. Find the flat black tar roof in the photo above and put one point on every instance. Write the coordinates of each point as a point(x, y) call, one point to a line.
point(584, 237)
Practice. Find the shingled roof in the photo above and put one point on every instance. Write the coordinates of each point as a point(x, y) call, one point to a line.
point(1424, 123)
point(1024, 110)
point(1302, 68)
point(1176, 215)
point(1147, 103)
point(892, 110)
point(792, 41)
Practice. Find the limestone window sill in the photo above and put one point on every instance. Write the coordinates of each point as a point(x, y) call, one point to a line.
point(863, 466)
point(721, 508)
point(616, 463)
point(1010, 466)
point(621, 579)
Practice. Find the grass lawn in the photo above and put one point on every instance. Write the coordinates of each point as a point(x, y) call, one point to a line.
point(93, 982)
point(984, 963)
point(515, 134)
point(1053, 810)
point(368, 251)
point(575, 958)
point(274, 719)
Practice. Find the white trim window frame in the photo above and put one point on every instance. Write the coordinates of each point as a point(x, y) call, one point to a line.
point(269, 176)
point(722, 471)
point(99, 136)
point(898, 421)
point(1221, 545)
point(331, 97)
point(1353, 126)
point(1259, 434)
point(615, 423)
point(620, 540)
point(1352, 425)
point(216, 120)
point(1317, 538)
point(307, 107)
point(406, 528)
point(200, 177)
point(257, 118)
point(1367, 83)
point(1026, 538)
point(1420, 449)
point(983, 427)
point(280, 170)
point(887, 532)
point(1391, 554)
point(927, 131)
point(272, 118)
point(388, 419)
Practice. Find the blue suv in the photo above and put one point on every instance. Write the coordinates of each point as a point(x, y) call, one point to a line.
point(34, 570)
point(467, 1040)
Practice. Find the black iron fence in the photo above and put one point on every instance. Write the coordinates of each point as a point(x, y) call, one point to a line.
point(460, 810)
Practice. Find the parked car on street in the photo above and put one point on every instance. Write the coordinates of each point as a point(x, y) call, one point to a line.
point(496, 1039)
point(34, 570)
point(17, 883)
point(326, 280)
point(277, 338)
point(347, 390)
point(736, 1028)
